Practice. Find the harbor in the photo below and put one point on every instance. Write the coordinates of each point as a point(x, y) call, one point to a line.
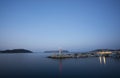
point(60, 55)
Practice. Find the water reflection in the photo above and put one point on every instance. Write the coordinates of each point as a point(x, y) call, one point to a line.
point(60, 66)
point(102, 60)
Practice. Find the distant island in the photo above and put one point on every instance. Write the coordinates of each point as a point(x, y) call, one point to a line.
point(56, 51)
point(105, 50)
point(16, 51)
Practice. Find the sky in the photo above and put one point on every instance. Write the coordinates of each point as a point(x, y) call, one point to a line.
point(74, 25)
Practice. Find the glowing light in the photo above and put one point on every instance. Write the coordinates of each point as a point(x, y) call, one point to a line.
point(104, 60)
point(100, 60)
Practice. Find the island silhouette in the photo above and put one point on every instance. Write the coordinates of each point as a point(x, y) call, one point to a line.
point(16, 51)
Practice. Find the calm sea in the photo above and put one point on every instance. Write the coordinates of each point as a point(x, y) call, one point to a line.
point(36, 65)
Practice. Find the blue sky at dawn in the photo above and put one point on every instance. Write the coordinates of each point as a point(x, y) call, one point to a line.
point(75, 25)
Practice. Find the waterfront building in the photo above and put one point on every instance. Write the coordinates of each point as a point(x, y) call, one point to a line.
point(103, 53)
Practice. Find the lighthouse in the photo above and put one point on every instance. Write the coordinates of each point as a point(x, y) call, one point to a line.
point(60, 51)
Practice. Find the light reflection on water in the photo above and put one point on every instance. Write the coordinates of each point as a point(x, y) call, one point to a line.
point(102, 59)
point(60, 66)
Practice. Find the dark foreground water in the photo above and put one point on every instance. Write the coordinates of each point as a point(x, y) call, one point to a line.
point(36, 65)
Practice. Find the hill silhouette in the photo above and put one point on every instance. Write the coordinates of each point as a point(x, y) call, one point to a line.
point(16, 51)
